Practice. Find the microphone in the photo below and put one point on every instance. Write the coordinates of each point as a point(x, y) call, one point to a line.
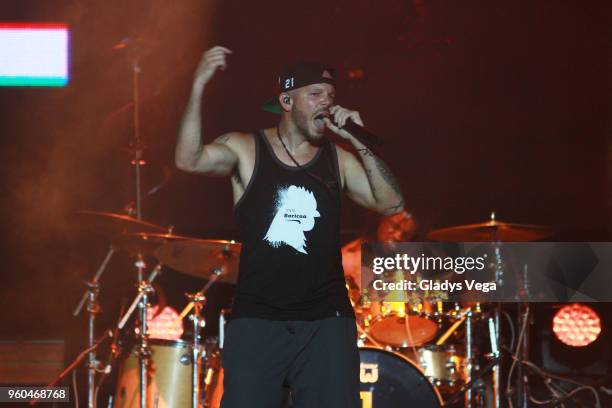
point(360, 133)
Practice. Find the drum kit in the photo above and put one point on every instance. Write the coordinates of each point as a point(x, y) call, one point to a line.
point(424, 351)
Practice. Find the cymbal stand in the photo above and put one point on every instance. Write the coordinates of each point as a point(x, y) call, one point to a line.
point(144, 287)
point(93, 308)
point(499, 279)
point(524, 321)
point(522, 386)
point(137, 145)
point(144, 352)
point(496, 353)
point(142, 301)
point(75, 363)
point(469, 358)
point(213, 278)
point(470, 383)
point(198, 300)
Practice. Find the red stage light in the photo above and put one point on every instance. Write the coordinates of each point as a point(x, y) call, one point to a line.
point(576, 325)
point(166, 325)
point(356, 73)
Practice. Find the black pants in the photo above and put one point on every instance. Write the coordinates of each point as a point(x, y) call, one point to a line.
point(317, 360)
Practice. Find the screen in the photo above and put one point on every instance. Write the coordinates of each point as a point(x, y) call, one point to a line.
point(34, 54)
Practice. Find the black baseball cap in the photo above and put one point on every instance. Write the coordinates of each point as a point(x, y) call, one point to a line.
point(297, 75)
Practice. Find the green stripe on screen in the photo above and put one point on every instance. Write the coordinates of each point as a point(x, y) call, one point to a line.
point(33, 81)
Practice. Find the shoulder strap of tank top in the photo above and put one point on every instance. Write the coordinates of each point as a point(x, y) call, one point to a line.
point(265, 148)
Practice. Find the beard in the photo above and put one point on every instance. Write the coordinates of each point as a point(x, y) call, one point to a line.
point(304, 125)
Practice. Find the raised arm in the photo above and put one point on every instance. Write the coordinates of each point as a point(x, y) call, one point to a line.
point(367, 180)
point(192, 155)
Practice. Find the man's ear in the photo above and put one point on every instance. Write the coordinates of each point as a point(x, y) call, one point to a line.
point(285, 101)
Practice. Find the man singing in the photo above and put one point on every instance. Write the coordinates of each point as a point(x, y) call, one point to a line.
point(292, 323)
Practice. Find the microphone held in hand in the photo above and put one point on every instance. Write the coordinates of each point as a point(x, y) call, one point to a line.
point(360, 133)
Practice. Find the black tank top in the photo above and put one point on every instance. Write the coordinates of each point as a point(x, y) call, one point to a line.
point(289, 220)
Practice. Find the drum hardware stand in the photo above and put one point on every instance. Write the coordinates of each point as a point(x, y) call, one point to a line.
point(198, 300)
point(464, 314)
point(142, 300)
point(138, 160)
point(144, 287)
point(497, 368)
point(499, 279)
point(213, 278)
point(495, 346)
point(522, 386)
point(495, 351)
point(523, 313)
point(467, 387)
point(91, 294)
point(72, 366)
point(469, 358)
point(144, 352)
point(115, 351)
point(93, 308)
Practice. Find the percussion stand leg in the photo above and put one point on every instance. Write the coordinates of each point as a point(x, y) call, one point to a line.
point(499, 279)
point(93, 308)
point(496, 354)
point(522, 385)
point(73, 365)
point(144, 351)
point(141, 300)
point(469, 358)
point(198, 300)
point(470, 384)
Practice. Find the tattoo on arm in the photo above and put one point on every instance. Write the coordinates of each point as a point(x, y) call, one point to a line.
point(366, 152)
point(394, 208)
point(369, 176)
point(221, 139)
point(387, 175)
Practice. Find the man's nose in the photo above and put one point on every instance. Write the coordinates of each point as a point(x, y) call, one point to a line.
point(327, 101)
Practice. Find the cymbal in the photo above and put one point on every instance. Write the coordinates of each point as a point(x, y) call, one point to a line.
point(491, 231)
point(144, 243)
point(107, 223)
point(200, 257)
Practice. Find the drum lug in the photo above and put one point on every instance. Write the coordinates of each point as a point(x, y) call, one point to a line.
point(185, 359)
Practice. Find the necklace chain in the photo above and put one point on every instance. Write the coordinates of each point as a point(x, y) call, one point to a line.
point(327, 185)
point(286, 149)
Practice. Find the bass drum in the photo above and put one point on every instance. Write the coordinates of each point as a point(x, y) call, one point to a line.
point(169, 377)
point(389, 380)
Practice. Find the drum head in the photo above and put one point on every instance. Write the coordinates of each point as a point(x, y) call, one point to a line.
point(403, 331)
point(392, 381)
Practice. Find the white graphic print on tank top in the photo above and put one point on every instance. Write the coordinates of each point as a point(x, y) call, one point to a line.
point(296, 209)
